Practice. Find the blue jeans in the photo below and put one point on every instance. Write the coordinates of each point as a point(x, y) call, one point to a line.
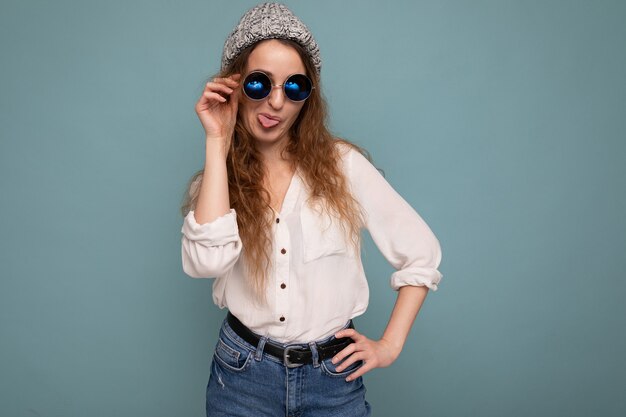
point(247, 382)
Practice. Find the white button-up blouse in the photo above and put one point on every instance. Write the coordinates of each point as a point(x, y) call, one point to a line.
point(317, 282)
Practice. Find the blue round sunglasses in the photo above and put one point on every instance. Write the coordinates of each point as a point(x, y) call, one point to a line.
point(257, 86)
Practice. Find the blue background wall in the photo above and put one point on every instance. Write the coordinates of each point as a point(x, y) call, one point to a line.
point(501, 122)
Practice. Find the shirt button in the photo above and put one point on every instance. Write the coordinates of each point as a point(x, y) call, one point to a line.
point(282, 318)
point(277, 220)
point(283, 251)
point(283, 286)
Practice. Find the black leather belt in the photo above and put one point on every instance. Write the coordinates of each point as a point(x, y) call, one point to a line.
point(291, 356)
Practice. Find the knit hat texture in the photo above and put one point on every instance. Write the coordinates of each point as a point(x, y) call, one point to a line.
point(269, 21)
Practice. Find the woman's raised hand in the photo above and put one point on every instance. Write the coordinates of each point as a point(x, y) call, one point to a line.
point(217, 107)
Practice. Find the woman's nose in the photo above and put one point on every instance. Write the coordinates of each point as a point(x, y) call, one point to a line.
point(277, 96)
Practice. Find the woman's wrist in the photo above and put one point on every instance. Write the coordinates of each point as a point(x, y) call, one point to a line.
point(215, 138)
point(395, 347)
point(216, 147)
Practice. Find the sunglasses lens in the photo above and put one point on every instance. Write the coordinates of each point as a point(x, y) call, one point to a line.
point(257, 86)
point(298, 87)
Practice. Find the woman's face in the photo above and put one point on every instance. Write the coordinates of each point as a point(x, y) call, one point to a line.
point(278, 61)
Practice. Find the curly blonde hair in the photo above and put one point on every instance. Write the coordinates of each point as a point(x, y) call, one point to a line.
point(317, 155)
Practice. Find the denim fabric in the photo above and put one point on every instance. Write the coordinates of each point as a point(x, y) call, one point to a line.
point(245, 382)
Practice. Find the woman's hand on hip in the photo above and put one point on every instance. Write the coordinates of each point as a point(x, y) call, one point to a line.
point(217, 107)
point(374, 353)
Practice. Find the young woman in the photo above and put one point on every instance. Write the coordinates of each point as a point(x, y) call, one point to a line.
point(275, 217)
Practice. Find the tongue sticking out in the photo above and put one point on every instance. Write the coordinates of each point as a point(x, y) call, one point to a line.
point(267, 122)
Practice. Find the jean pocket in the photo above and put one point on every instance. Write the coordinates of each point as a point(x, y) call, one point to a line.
point(230, 355)
point(330, 369)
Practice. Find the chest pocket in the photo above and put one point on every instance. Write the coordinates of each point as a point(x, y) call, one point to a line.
point(322, 233)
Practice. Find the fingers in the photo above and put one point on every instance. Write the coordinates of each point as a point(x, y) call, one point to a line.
point(359, 372)
point(212, 91)
point(213, 96)
point(354, 335)
point(348, 350)
point(351, 333)
point(220, 88)
point(228, 82)
point(234, 102)
point(350, 360)
point(354, 357)
point(374, 354)
point(357, 353)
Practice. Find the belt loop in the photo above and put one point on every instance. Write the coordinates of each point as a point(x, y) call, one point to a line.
point(258, 354)
point(314, 354)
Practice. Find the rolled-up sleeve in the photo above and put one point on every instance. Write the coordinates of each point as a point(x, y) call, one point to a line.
point(210, 250)
point(398, 231)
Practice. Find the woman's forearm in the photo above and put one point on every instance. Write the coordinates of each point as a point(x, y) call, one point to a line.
point(213, 200)
point(408, 303)
point(383, 352)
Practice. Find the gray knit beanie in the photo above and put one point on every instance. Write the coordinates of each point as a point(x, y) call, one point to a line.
point(269, 21)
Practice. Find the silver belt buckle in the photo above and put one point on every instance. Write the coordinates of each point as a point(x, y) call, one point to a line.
point(286, 361)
